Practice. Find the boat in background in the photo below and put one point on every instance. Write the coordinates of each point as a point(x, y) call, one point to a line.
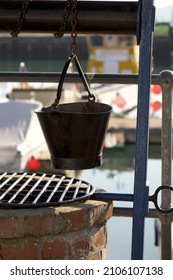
point(21, 138)
point(110, 54)
point(43, 92)
point(22, 144)
point(122, 124)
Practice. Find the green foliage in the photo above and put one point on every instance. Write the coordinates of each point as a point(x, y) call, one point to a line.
point(161, 29)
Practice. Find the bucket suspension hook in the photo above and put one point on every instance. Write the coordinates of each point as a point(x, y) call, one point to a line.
point(91, 96)
point(73, 57)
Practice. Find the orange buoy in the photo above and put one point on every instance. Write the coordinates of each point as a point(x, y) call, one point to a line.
point(119, 101)
point(33, 164)
point(156, 89)
point(157, 105)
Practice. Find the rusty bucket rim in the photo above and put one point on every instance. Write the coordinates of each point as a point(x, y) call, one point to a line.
point(49, 109)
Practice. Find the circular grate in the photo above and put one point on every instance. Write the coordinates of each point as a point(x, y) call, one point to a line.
point(23, 190)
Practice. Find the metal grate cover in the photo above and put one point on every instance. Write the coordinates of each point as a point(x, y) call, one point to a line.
point(23, 190)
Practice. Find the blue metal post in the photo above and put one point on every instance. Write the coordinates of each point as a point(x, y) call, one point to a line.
point(141, 155)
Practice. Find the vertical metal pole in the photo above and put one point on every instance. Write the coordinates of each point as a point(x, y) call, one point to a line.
point(166, 82)
point(141, 155)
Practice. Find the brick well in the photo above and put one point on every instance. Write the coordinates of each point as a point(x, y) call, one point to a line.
point(75, 231)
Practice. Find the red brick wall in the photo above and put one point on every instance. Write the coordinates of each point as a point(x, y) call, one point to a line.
point(71, 232)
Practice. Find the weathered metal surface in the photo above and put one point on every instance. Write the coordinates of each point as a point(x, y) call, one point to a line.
point(166, 82)
point(29, 190)
point(49, 77)
point(46, 16)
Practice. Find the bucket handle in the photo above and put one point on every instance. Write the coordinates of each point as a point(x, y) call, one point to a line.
point(74, 58)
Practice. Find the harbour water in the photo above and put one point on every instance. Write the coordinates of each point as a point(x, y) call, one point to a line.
point(117, 175)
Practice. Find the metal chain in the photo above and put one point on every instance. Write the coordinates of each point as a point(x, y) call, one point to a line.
point(66, 13)
point(71, 5)
point(21, 19)
point(74, 21)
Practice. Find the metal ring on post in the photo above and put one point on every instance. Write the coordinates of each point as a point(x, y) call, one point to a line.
point(154, 198)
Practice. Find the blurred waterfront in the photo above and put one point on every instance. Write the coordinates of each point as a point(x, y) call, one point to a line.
point(117, 175)
point(48, 54)
point(117, 172)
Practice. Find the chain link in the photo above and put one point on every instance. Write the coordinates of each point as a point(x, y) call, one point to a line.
point(74, 21)
point(71, 6)
point(66, 13)
point(21, 19)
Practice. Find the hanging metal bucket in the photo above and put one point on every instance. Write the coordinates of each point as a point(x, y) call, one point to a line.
point(75, 132)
